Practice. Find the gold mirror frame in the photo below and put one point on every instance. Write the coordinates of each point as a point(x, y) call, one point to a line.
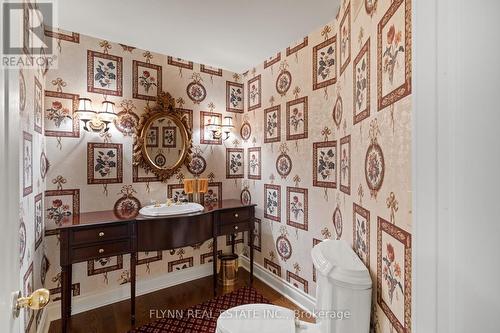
point(164, 107)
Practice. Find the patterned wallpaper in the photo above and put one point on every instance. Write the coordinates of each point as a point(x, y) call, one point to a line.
point(327, 135)
point(33, 164)
point(321, 144)
point(92, 171)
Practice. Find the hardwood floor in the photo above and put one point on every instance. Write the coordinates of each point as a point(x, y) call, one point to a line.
point(116, 317)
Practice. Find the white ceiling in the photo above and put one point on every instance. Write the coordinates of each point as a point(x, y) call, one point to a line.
point(231, 34)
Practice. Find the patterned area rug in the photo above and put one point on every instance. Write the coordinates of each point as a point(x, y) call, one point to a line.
point(202, 318)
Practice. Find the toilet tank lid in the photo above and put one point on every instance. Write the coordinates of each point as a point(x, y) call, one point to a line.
point(337, 260)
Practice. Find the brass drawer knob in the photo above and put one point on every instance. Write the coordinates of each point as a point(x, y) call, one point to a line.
point(236, 215)
point(101, 234)
point(101, 250)
point(235, 227)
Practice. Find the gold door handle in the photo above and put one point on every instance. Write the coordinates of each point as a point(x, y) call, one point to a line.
point(36, 301)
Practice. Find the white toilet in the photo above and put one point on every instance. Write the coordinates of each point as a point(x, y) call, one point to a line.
point(343, 299)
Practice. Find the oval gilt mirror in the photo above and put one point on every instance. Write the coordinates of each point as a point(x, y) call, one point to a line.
point(163, 138)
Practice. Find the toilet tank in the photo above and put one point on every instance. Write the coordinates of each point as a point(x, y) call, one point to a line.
point(344, 289)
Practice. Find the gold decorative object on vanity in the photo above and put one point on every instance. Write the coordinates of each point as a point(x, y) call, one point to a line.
point(163, 139)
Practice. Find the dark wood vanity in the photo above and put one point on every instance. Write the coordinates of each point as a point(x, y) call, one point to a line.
point(103, 234)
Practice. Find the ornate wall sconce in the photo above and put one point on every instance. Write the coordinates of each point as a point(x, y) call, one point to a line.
point(217, 129)
point(95, 121)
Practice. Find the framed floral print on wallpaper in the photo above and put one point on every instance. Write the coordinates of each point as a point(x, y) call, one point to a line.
point(206, 135)
point(59, 114)
point(104, 163)
point(235, 163)
point(153, 137)
point(140, 175)
point(345, 39)
point(272, 267)
point(72, 37)
point(272, 202)
point(61, 207)
point(361, 233)
point(297, 47)
point(146, 80)
point(104, 73)
point(297, 207)
point(27, 156)
point(257, 234)
point(211, 70)
point(169, 135)
point(254, 93)
point(325, 63)
point(297, 281)
point(272, 60)
point(345, 164)
point(272, 124)
point(178, 62)
point(213, 198)
point(297, 119)
point(104, 265)
point(325, 164)
point(38, 219)
point(180, 264)
point(361, 84)
point(176, 192)
point(38, 113)
point(394, 54)
point(254, 169)
point(234, 97)
point(394, 274)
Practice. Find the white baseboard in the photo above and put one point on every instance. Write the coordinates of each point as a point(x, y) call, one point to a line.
point(112, 295)
point(297, 296)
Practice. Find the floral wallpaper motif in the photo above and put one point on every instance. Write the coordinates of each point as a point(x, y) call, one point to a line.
point(351, 151)
point(93, 172)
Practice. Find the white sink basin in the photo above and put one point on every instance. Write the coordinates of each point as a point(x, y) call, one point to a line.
point(174, 209)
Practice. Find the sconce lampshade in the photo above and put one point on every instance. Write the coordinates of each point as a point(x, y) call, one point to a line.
point(107, 112)
point(228, 122)
point(84, 110)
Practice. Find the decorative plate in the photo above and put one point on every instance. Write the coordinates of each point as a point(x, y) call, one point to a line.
point(22, 241)
point(337, 112)
point(245, 197)
point(44, 165)
point(22, 92)
point(126, 121)
point(196, 92)
point(283, 165)
point(374, 167)
point(337, 222)
point(127, 207)
point(284, 247)
point(160, 160)
point(197, 165)
point(245, 131)
point(283, 82)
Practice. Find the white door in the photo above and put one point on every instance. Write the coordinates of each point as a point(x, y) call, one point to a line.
point(10, 279)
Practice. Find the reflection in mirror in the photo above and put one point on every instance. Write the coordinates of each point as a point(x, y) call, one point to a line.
point(163, 140)
point(164, 143)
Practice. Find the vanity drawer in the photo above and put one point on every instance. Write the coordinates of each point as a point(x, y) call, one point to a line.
point(235, 215)
point(97, 234)
point(227, 229)
point(108, 249)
